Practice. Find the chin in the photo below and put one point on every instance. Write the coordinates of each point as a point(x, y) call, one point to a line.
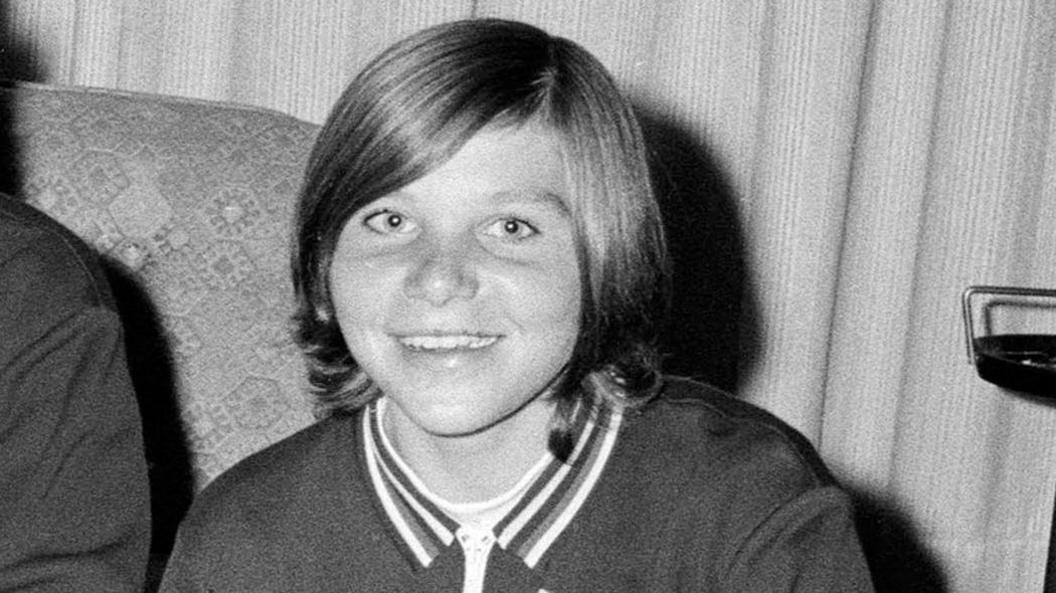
point(462, 413)
point(458, 421)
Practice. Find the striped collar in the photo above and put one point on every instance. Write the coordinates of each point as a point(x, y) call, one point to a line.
point(534, 522)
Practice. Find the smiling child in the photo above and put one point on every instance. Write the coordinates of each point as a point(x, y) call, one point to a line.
point(479, 262)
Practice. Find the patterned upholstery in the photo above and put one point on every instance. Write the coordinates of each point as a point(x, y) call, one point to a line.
point(190, 202)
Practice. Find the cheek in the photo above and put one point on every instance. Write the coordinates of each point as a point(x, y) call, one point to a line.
point(357, 294)
point(562, 288)
point(546, 297)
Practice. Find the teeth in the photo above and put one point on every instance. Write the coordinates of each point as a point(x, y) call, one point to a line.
point(454, 342)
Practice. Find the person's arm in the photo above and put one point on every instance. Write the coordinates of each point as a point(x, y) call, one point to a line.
point(808, 545)
point(74, 500)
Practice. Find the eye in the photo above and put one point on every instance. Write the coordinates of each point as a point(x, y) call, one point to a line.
point(510, 228)
point(389, 222)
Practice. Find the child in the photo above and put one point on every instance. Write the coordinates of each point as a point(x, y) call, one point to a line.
point(477, 262)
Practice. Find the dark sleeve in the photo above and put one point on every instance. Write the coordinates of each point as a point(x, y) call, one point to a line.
point(782, 521)
point(237, 535)
point(74, 508)
point(215, 553)
point(807, 545)
point(184, 572)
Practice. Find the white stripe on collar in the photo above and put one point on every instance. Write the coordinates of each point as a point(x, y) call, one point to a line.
point(398, 521)
point(539, 522)
point(531, 558)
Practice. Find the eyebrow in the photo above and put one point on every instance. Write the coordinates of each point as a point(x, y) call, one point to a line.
point(535, 196)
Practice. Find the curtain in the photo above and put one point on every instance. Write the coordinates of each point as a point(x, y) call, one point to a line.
point(834, 175)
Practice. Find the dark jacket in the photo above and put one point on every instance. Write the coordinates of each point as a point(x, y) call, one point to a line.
point(74, 508)
point(694, 492)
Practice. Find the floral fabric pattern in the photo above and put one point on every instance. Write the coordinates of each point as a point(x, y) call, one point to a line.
point(191, 201)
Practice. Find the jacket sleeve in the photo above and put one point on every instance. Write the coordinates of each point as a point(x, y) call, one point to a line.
point(807, 545)
point(74, 501)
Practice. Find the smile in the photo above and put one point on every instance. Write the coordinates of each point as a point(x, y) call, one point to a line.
point(447, 342)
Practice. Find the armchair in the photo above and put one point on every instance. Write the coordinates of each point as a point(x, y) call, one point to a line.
point(190, 204)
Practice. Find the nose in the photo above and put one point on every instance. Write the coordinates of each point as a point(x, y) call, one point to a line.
point(441, 273)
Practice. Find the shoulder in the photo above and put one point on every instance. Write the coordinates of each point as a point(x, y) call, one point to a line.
point(741, 491)
point(53, 292)
point(272, 510)
point(697, 430)
point(698, 460)
point(278, 483)
point(41, 260)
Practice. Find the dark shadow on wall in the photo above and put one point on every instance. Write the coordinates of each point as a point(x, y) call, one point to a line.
point(897, 559)
point(149, 351)
point(17, 62)
point(168, 454)
point(712, 332)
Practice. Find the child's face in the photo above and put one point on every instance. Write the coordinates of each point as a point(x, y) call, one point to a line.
point(459, 294)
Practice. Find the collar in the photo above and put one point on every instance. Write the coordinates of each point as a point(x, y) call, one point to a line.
point(529, 528)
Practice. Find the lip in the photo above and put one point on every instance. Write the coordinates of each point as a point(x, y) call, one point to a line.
point(447, 342)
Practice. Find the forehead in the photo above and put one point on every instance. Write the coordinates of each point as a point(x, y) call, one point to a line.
point(505, 162)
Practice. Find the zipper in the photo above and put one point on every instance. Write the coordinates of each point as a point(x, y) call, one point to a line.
point(476, 547)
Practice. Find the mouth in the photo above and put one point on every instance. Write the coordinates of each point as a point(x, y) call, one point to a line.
point(447, 342)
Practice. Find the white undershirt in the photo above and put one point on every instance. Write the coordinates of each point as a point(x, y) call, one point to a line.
point(479, 516)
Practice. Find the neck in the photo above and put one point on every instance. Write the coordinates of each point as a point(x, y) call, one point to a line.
point(479, 466)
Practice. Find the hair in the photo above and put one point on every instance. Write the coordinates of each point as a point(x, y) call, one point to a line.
point(410, 110)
